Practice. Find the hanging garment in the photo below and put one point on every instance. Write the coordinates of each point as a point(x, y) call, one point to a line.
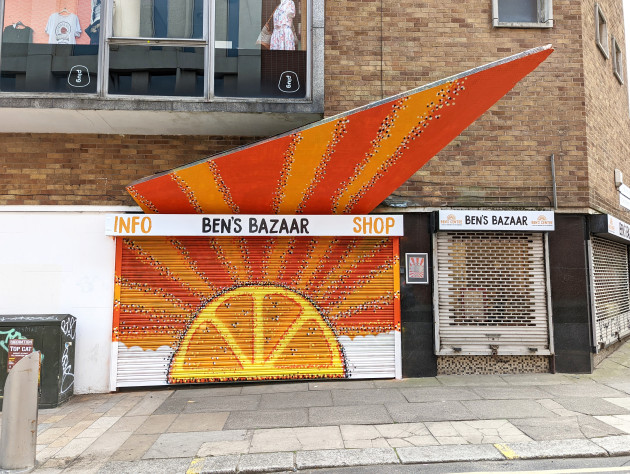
point(63, 29)
point(282, 37)
point(16, 34)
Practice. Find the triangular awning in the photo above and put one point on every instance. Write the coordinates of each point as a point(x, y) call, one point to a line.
point(346, 164)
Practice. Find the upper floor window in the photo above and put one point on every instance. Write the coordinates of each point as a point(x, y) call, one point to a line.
point(166, 48)
point(601, 30)
point(522, 13)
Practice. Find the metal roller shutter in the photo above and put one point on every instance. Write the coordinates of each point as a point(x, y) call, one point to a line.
point(610, 290)
point(492, 296)
point(198, 309)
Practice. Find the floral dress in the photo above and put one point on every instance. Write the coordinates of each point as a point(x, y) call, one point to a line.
point(282, 36)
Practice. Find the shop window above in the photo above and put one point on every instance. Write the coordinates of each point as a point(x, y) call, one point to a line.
point(159, 48)
point(601, 30)
point(617, 57)
point(522, 13)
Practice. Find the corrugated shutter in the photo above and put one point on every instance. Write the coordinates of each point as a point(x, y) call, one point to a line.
point(191, 310)
point(492, 293)
point(611, 293)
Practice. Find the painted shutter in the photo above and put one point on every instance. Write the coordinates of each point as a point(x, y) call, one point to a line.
point(198, 309)
point(491, 293)
point(610, 290)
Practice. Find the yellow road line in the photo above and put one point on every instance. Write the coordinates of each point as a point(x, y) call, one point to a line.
point(506, 451)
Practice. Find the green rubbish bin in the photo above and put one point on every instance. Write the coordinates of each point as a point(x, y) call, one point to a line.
point(54, 335)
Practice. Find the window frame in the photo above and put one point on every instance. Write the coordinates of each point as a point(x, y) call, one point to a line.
point(601, 34)
point(617, 56)
point(545, 10)
point(106, 39)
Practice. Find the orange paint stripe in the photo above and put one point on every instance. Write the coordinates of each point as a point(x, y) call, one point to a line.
point(311, 157)
point(413, 110)
point(206, 191)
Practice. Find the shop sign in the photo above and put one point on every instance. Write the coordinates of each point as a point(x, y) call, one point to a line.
point(534, 221)
point(18, 349)
point(618, 228)
point(253, 225)
point(417, 268)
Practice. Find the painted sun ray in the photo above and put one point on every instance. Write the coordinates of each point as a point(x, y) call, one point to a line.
point(208, 193)
point(340, 273)
point(160, 258)
point(201, 255)
point(154, 297)
point(415, 135)
point(333, 258)
point(230, 258)
point(358, 281)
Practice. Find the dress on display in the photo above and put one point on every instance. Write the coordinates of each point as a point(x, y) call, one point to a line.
point(63, 29)
point(282, 37)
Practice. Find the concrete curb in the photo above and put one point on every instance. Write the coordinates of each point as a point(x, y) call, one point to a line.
point(319, 459)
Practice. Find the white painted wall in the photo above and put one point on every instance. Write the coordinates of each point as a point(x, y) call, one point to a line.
point(59, 262)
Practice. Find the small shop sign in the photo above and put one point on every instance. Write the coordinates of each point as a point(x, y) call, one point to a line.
point(379, 225)
point(18, 349)
point(533, 221)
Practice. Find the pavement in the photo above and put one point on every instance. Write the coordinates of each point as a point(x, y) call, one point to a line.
point(266, 427)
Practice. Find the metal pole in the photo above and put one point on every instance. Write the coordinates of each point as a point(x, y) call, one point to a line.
point(19, 416)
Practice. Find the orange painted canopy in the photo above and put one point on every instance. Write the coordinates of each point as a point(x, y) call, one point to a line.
point(348, 163)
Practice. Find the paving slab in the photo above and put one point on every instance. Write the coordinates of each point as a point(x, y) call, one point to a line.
point(506, 409)
point(221, 403)
point(435, 454)
point(267, 419)
point(541, 429)
point(180, 445)
point(345, 458)
point(592, 406)
point(348, 415)
point(467, 380)
point(296, 439)
point(208, 391)
point(407, 383)
point(615, 445)
point(436, 394)
point(149, 403)
point(152, 466)
point(431, 411)
point(567, 448)
point(214, 421)
point(588, 389)
point(343, 385)
point(281, 400)
point(255, 389)
point(518, 392)
point(368, 396)
point(536, 379)
point(134, 447)
point(156, 424)
point(621, 422)
point(268, 462)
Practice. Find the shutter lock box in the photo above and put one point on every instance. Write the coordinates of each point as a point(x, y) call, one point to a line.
point(54, 335)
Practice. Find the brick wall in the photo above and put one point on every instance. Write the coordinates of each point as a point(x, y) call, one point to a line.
point(92, 169)
point(375, 49)
point(607, 119)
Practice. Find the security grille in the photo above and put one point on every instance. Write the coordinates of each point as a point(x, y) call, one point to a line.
point(611, 293)
point(492, 293)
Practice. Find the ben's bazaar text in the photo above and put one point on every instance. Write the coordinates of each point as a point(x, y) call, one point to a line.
point(254, 225)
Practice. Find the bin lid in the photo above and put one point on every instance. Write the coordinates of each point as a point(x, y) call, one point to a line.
point(33, 319)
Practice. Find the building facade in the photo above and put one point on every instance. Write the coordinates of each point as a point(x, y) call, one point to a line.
point(523, 217)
